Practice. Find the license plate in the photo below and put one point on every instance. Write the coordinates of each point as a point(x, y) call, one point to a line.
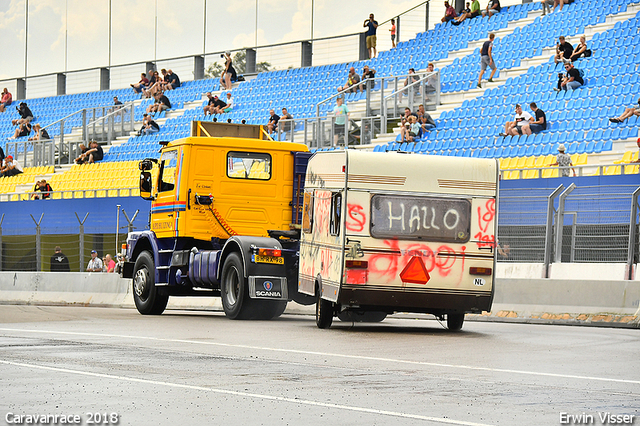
point(269, 259)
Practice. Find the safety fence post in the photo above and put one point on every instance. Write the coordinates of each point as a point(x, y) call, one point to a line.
point(548, 239)
point(560, 221)
point(633, 233)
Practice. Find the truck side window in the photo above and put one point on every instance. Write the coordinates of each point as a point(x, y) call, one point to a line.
point(336, 211)
point(249, 165)
point(307, 213)
point(166, 176)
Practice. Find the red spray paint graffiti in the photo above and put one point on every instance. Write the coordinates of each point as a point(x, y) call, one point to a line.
point(485, 218)
point(356, 218)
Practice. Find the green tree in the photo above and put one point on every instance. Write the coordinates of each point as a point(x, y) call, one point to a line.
point(215, 69)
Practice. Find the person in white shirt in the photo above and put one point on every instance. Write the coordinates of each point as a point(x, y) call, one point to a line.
point(514, 127)
point(95, 263)
point(229, 101)
point(10, 167)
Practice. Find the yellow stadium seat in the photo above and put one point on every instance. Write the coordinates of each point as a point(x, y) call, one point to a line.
point(549, 173)
point(582, 159)
point(504, 163)
point(521, 162)
point(631, 170)
point(626, 158)
point(611, 170)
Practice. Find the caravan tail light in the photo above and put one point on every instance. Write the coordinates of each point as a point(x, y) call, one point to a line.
point(356, 264)
point(269, 252)
point(480, 271)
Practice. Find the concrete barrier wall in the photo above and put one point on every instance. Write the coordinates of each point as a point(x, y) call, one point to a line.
point(564, 271)
point(613, 303)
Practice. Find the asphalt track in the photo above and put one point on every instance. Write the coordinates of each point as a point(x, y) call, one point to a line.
point(199, 368)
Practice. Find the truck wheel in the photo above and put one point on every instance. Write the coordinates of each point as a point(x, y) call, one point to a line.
point(145, 292)
point(454, 321)
point(235, 293)
point(324, 312)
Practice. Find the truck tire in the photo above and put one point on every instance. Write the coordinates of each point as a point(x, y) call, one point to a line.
point(234, 289)
point(145, 292)
point(272, 308)
point(455, 321)
point(324, 312)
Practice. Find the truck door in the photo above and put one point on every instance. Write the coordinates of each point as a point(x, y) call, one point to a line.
point(166, 208)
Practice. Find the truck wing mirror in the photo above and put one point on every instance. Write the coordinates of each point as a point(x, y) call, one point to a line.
point(146, 186)
point(147, 164)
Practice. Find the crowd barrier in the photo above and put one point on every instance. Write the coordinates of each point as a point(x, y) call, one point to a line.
point(579, 302)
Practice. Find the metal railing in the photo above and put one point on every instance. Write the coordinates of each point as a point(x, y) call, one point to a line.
point(581, 170)
point(425, 90)
point(108, 123)
point(321, 132)
point(32, 153)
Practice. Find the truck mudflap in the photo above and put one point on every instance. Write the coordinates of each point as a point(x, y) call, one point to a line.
point(274, 288)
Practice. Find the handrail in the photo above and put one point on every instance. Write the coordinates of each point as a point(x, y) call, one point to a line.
point(120, 110)
point(420, 82)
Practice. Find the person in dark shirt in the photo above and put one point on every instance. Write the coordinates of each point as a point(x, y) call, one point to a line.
point(59, 262)
point(93, 154)
point(43, 187)
point(162, 103)
point(287, 125)
point(24, 129)
point(215, 105)
point(149, 126)
point(229, 75)
point(26, 116)
point(372, 26)
point(272, 124)
point(172, 81)
point(367, 73)
point(572, 80)
point(493, 7)
point(486, 60)
point(564, 50)
point(539, 124)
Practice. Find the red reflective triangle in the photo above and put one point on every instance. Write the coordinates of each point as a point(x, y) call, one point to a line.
point(415, 272)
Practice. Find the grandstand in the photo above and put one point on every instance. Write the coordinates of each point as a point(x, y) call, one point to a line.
point(468, 119)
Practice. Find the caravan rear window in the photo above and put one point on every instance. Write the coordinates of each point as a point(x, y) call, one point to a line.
point(249, 165)
point(421, 218)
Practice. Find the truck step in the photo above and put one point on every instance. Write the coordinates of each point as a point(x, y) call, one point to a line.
point(163, 267)
point(165, 251)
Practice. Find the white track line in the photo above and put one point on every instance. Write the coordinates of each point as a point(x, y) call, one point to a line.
point(328, 354)
point(247, 394)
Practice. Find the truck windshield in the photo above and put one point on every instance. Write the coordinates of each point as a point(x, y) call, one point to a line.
point(421, 218)
point(249, 165)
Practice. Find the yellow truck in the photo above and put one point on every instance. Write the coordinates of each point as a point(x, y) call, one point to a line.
point(225, 211)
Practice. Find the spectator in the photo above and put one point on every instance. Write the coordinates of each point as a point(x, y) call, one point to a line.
point(462, 16)
point(424, 119)
point(564, 50)
point(411, 78)
point(149, 126)
point(503, 249)
point(410, 130)
point(5, 100)
point(83, 149)
point(469, 12)
point(581, 50)
point(59, 262)
point(116, 104)
point(162, 103)
point(352, 82)
point(155, 78)
point(367, 73)
point(341, 113)
point(10, 167)
point(572, 80)
point(486, 59)
point(287, 125)
point(40, 133)
point(109, 263)
point(393, 32)
point(514, 127)
point(25, 115)
point(372, 26)
point(272, 124)
point(95, 263)
point(449, 13)
point(564, 161)
point(628, 112)
point(493, 7)
point(214, 106)
point(24, 129)
point(91, 155)
point(158, 84)
point(432, 81)
point(405, 118)
point(142, 84)
point(43, 187)
point(229, 104)
point(171, 81)
point(546, 6)
point(560, 3)
point(229, 75)
point(537, 125)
